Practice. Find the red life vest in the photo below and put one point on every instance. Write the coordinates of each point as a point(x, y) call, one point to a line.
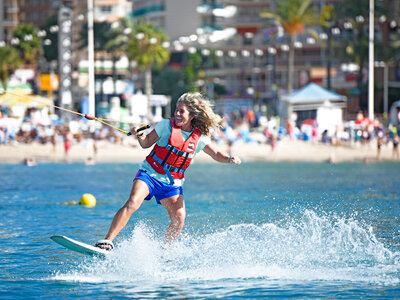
point(176, 156)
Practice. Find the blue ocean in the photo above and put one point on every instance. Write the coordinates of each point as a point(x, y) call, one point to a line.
point(302, 230)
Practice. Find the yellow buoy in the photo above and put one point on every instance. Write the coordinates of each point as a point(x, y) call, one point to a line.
point(87, 200)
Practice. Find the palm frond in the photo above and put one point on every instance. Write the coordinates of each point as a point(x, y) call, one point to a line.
point(303, 7)
point(270, 15)
point(313, 33)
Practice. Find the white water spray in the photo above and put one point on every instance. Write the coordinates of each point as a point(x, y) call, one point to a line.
point(310, 248)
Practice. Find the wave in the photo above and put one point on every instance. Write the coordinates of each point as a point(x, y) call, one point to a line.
point(312, 247)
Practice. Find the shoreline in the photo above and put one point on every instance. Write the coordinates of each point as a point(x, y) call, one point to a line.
point(285, 151)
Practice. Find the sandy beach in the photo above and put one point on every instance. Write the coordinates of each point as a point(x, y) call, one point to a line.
point(285, 151)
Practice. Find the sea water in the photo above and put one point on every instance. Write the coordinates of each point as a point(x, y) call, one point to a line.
point(256, 230)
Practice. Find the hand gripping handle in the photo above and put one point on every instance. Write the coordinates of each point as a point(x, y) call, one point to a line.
point(138, 130)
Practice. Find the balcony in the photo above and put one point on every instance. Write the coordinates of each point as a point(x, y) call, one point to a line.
point(10, 23)
point(11, 10)
point(207, 9)
point(144, 11)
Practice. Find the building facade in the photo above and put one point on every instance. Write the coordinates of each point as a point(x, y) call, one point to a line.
point(37, 12)
point(249, 55)
point(9, 18)
point(111, 10)
point(177, 18)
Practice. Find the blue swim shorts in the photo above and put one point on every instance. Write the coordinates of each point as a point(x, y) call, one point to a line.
point(157, 188)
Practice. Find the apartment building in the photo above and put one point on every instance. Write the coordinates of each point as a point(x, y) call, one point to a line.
point(8, 18)
point(252, 63)
point(37, 12)
point(235, 32)
point(178, 18)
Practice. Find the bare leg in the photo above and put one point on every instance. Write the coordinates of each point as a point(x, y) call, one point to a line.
point(139, 191)
point(175, 206)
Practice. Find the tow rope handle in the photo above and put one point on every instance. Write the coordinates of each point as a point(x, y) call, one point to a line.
point(140, 129)
point(128, 133)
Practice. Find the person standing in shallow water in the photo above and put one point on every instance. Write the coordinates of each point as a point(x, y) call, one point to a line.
point(176, 142)
point(68, 138)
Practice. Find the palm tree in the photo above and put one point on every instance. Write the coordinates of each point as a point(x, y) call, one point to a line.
point(100, 31)
point(117, 36)
point(293, 15)
point(145, 47)
point(9, 62)
point(30, 45)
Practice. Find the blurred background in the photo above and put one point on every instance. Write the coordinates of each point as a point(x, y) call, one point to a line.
point(320, 70)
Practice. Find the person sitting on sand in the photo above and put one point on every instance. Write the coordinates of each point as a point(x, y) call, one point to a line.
point(176, 142)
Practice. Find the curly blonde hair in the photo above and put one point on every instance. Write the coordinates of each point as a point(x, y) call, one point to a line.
point(200, 108)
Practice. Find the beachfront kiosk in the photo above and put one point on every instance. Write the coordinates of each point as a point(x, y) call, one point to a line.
point(314, 102)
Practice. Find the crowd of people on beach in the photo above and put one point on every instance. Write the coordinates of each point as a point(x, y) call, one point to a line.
point(243, 125)
point(246, 126)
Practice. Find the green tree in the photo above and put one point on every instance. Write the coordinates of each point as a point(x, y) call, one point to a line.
point(9, 62)
point(174, 82)
point(100, 35)
point(117, 36)
point(51, 49)
point(193, 70)
point(395, 40)
point(294, 16)
point(170, 82)
point(30, 45)
point(145, 47)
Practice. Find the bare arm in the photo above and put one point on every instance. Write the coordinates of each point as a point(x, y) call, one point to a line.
point(220, 156)
point(145, 141)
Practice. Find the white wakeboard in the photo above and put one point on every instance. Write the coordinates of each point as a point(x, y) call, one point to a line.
point(79, 247)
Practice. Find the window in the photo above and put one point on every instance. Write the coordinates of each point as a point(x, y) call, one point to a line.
point(106, 8)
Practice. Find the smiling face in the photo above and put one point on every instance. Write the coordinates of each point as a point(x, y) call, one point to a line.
point(183, 118)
